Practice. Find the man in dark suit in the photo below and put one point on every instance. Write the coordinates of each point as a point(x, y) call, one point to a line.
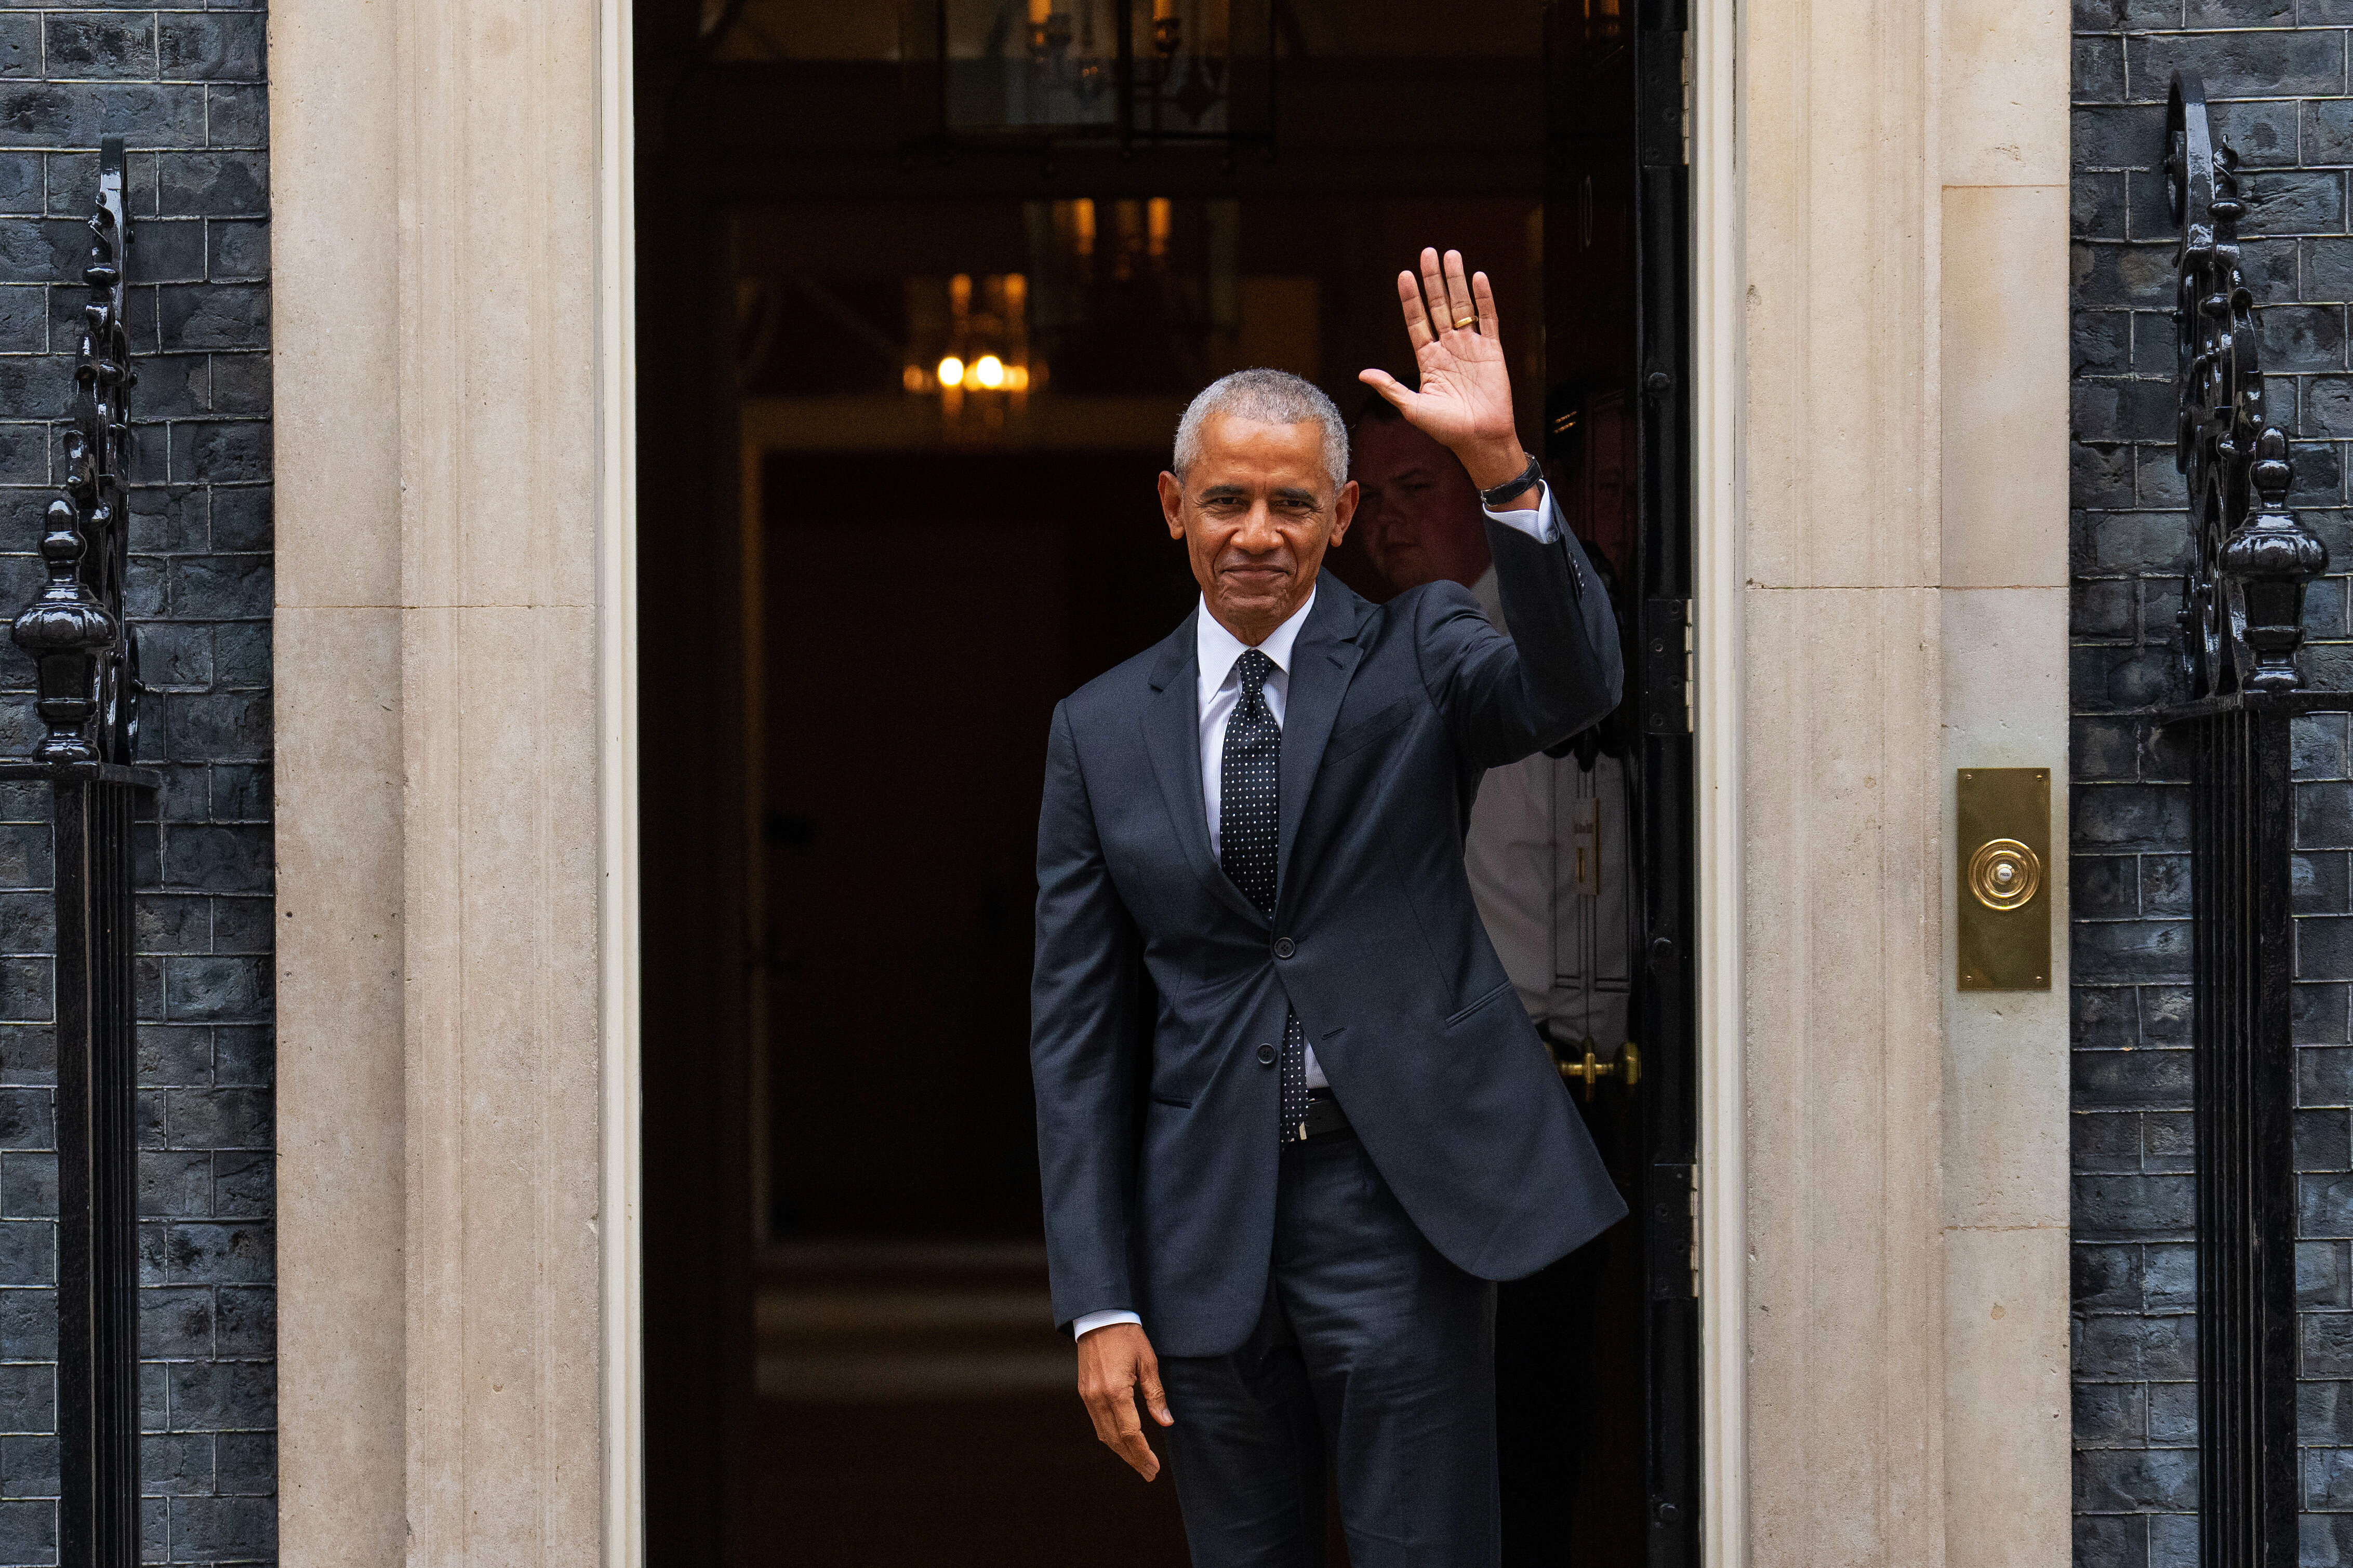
point(1292, 1123)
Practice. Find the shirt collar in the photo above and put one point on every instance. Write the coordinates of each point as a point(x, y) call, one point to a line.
point(1219, 648)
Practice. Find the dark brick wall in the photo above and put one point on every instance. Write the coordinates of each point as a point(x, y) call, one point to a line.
point(2276, 70)
point(184, 88)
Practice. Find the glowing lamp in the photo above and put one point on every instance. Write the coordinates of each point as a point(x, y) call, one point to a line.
point(952, 372)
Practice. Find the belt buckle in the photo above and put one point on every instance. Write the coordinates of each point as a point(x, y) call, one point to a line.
point(1333, 1120)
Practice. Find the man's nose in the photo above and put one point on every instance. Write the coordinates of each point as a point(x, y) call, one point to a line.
point(1258, 530)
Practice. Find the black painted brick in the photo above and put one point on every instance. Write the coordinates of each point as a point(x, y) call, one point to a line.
point(238, 115)
point(218, 45)
point(113, 43)
point(186, 87)
point(2109, 1541)
point(2276, 70)
point(220, 1396)
point(241, 518)
point(2267, 63)
point(223, 1528)
point(2140, 1480)
point(236, 315)
point(2262, 129)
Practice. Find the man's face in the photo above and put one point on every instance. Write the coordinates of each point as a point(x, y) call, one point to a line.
point(1422, 517)
point(1256, 512)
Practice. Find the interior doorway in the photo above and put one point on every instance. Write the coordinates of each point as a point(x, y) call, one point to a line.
point(899, 564)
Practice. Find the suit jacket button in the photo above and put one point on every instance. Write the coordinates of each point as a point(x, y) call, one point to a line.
point(1285, 947)
point(1266, 1055)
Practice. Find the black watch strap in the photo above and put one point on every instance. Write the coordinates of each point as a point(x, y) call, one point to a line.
point(1529, 476)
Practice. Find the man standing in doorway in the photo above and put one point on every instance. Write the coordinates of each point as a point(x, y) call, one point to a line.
point(1292, 1124)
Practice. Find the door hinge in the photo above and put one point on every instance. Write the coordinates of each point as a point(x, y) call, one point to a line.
point(1687, 91)
point(1665, 665)
point(1694, 1235)
point(1691, 674)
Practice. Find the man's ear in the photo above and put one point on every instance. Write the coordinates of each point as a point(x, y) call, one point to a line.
point(1172, 503)
point(1344, 510)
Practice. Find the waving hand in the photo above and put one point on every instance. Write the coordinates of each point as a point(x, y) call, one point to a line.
point(1465, 398)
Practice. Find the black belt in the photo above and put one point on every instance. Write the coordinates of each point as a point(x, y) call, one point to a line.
point(1324, 1116)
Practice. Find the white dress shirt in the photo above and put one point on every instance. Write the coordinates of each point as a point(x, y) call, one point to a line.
point(1218, 650)
point(1567, 949)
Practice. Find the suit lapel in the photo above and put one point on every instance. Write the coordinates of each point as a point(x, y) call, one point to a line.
point(1172, 738)
point(1323, 662)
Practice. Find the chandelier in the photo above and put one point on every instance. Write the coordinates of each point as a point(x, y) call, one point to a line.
point(970, 349)
point(1122, 71)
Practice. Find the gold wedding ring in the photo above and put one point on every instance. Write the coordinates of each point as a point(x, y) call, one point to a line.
point(1465, 323)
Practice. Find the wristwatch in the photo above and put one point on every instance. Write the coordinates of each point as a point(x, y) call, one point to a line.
point(1530, 476)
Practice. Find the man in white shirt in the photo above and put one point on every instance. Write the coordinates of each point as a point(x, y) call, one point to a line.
point(1546, 852)
point(1292, 1123)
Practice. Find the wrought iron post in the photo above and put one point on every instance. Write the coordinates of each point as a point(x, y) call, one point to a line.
point(87, 657)
point(2242, 623)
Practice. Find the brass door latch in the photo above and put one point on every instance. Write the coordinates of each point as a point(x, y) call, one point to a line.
point(1581, 1059)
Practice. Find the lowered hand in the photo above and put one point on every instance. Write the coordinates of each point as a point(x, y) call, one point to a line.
point(1116, 1364)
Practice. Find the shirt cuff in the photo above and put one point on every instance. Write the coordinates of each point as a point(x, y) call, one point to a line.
point(1540, 523)
point(1087, 1324)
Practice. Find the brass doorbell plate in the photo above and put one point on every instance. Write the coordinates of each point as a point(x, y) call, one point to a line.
point(2002, 826)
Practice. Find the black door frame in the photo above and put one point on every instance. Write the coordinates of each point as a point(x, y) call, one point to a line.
point(1618, 153)
point(1662, 692)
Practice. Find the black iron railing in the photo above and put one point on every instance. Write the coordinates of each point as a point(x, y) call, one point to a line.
point(2242, 625)
point(86, 656)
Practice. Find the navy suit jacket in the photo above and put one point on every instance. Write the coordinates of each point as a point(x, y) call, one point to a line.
point(1158, 982)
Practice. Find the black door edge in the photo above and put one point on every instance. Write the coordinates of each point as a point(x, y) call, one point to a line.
point(1668, 1017)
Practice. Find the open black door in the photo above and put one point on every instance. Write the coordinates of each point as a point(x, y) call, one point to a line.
point(1662, 695)
point(1598, 1355)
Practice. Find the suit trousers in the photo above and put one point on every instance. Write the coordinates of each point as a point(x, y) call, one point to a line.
point(1373, 1356)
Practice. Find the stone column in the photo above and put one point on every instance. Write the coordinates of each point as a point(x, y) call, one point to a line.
point(1840, 774)
point(1999, 139)
point(342, 1114)
point(1902, 192)
point(440, 855)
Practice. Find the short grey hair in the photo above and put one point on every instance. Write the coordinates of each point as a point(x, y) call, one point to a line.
point(1265, 397)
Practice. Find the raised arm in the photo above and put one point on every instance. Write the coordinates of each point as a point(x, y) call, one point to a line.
point(1560, 670)
point(1465, 401)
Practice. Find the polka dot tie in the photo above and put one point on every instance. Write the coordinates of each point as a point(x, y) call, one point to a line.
point(1250, 804)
